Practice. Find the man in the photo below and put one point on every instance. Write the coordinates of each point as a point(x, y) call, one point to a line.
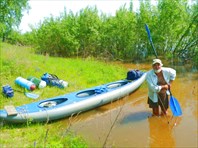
point(159, 80)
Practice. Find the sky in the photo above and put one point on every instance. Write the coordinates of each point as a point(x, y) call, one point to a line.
point(45, 8)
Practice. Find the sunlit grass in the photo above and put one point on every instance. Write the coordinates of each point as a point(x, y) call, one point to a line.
point(79, 73)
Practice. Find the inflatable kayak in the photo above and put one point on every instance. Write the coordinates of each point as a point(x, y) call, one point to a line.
point(72, 103)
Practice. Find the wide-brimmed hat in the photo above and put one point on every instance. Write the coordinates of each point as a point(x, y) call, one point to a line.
point(157, 61)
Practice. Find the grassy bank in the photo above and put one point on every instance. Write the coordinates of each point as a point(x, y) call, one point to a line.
point(79, 73)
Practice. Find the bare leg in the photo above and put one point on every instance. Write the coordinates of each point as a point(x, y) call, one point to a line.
point(156, 111)
point(163, 103)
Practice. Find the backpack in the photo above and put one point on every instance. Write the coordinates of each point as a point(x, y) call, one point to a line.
point(8, 91)
point(134, 74)
point(49, 78)
point(52, 80)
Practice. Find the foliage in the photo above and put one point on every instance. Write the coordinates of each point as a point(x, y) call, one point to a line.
point(187, 48)
point(10, 16)
point(173, 18)
point(88, 33)
point(146, 15)
point(119, 35)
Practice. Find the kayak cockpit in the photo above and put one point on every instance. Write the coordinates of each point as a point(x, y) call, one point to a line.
point(86, 93)
point(101, 89)
point(116, 84)
point(52, 102)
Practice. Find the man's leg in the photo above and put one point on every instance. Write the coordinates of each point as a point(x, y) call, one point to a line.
point(164, 103)
point(156, 111)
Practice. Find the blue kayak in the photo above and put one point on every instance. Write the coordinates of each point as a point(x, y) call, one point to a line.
point(72, 103)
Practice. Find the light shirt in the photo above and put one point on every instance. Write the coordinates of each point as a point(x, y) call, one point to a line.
point(152, 80)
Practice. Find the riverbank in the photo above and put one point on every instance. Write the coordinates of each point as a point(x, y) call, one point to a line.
point(79, 73)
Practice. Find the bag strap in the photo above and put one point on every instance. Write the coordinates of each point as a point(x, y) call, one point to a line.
point(54, 76)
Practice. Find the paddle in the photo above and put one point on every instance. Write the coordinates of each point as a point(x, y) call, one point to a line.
point(174, 104)
point(150, 39)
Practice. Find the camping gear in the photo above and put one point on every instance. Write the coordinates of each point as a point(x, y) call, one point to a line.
point(53, 80)
point(8, 91)
point(39, 83)
point(25, 83)
point(134, 74)
point(73, 103)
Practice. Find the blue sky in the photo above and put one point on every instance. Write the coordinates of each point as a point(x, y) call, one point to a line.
point(44, 8)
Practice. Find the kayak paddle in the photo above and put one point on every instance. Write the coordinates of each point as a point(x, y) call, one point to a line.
point(174, 106)
point(150, 39)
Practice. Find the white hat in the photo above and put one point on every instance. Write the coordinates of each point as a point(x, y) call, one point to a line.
point(157, 61)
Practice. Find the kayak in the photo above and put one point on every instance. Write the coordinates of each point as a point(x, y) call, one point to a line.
point(72, 103)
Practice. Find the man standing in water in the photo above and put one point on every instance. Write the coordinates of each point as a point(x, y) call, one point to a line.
point(159, 80)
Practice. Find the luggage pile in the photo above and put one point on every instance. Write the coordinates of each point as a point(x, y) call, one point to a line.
point(32, 83)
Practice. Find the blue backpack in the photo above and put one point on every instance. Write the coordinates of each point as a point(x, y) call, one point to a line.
point(134, 74)
point(51, 80)
point(8, 91)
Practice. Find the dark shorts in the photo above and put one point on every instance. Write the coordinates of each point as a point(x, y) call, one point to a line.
point(164, 103)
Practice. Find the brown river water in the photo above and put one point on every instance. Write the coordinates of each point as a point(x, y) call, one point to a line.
point(128, 122)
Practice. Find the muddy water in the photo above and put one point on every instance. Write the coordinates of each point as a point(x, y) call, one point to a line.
point(127, 122)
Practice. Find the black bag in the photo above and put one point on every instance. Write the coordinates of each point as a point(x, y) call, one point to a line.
point(134, 74)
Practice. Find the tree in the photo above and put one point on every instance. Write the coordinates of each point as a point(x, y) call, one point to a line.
point(10, 15)
point(172, 20)
point(118, 34)
point(88, 24)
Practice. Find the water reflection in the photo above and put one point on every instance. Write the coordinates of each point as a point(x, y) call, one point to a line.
point(135, 117)
point(160, 133)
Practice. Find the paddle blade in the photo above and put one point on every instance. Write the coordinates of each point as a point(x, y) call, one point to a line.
point(148, 32)
point(150, 39)
point(175, 107)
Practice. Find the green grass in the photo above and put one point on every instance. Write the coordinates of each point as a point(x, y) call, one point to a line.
point(79, 73)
